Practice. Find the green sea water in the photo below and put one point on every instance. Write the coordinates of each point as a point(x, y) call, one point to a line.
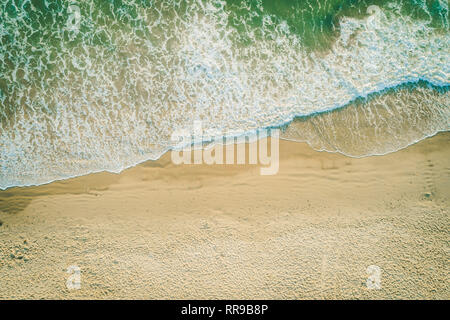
point(94, 85)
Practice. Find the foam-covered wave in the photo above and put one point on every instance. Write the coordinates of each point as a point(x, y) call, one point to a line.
point(383, 122)
point(109, 94)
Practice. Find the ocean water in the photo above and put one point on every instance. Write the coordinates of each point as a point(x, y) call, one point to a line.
point(94, 85)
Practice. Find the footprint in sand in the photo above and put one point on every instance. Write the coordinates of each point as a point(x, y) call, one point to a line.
point(429, 181)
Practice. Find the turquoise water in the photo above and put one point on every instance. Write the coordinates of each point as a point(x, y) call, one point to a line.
point(87, 86)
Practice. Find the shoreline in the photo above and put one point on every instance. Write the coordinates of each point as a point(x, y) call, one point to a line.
point(286, 125)
point(251, 139)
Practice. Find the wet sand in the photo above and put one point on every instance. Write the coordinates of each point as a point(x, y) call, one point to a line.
point(160, 231)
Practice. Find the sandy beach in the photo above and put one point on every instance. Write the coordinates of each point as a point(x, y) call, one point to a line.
point(165, 231)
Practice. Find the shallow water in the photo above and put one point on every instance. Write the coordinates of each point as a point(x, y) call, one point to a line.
point(87, 86)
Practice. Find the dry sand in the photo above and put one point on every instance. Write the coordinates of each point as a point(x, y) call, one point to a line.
point(164, 231)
